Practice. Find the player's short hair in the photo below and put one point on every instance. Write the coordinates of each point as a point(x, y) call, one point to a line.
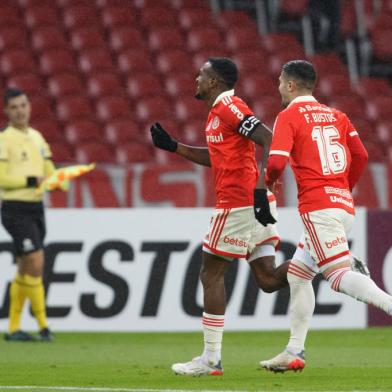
point(12, 93)
point(226, 69)
point(302, 71)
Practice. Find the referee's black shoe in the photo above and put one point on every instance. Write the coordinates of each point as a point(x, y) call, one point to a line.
point(45, 335)
point(19, 336)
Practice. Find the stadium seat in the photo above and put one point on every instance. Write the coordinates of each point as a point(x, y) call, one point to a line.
point(228, 19)
point(379, 108)
point(384, 133)
point(277, 60)
point(153, 109)
point(13, 37)
point(239, 39)
point(31, 84)
point(370, 87)
point(74, 108)
point(189, 4)
point(334, 84)
point(82, 132)
point(9, 15)
point(95, 60)
point(57, 61)
point(143, 85)
point(163, 14)
point(122, 131)
point(382, 44)
point(193, 133)
point(41, 17)
point(40, 108)
point(81, 16)
point(112, 108)
point(294, 9)
point(267, 108)
point(141, 5)
point(280, 42)
point(104, 84)
point(364, 127)
point(87, 38)
point(250, 62)
point(65, 84)
point(16, 61)
point(203, 38)
point(173, 61)
point(61, 152)
point(30, 3)
point(377, 152)
point(133, 61)
point(352, 105)
point(327, 63)
point(115, 16)
point(46, 38)
point(72, 3)
point(94, 152)
point(126, 37)
point(256, 86)
point(165, 38)
point(201, 57)
point(190, 19)
point(50, 129)
point(103, 4)
point(181, 84)
point(134, 153)
point(188, 109)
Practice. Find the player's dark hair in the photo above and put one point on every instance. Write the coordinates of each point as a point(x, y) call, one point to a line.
point(302, 71)
point(12, 93)
point(226, 69)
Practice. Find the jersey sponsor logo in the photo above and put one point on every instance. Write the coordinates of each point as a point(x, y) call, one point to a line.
point(28, 245)
point(338, 191)
point(235, 242)
point(336, 242)
point(336, 199)
point(215, 122)
point(236, 111)
point(215, 138)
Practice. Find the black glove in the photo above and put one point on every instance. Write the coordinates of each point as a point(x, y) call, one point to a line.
point(261, 207)
point(32, 182)
point(162, 139)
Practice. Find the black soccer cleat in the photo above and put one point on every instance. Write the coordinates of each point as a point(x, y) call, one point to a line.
point(19, 336)
point(45, 335)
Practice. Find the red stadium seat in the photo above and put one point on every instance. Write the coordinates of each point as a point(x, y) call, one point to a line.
point(134, 61)
point(250, 62)
point(30, 3)
point(328, 63)
point(364, 127)
point(384, 132)
point(144, 4)
point(332, 85)
point(126, 37)
point(277, 60)
point(229, 19)
point(94, 60)
point(72, 3)
point(267, 108)
point(379, 108)
point(382, 44)
point(201, 57)
point(112, 108)
point(94, 152)
point(16, 61)
point(31, 84)
point(165, 38)
point(40, 108)
point(104, 84)
point(114, 3)
point(87, 38)
point(74, 108)
point(81, 16)
point(352, 105)
point(143, 85)
point(122, 131)
point(13, 37)
point(50, 129)
point(61, 152)
point(181, 84)
point(190, 19)
point(294, 9)
point(173, 60)
point(280, 42)
point(56, 61)
point(46, 38)
point(65, 84)
point(203, 38)
point(9, 15)
point(188, 4)
point(134, 153)
point(153, 109)
point(257, 85)
point(116, 16)
point(165, 16)
point(242, 39)
point(377, 152)
point(193, 133)
point(188, 109)
point(370, 87)
point(82, 132)
point(41, 17)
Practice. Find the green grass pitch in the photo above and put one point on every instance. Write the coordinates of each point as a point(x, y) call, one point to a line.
point(344, 360)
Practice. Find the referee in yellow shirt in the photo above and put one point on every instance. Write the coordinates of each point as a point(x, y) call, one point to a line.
point(25, 159)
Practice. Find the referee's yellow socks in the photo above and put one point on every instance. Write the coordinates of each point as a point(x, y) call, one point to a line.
point(34, 290)
point(17, 299)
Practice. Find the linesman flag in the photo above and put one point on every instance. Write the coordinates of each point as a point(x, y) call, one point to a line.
point(60, 178)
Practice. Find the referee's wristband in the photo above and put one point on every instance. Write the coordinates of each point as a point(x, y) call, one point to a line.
point(32, 182)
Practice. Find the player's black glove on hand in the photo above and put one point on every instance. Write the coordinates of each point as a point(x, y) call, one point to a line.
point(162, 139)
point(261, 207)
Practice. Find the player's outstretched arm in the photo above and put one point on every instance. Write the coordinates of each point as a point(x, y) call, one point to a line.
point(163, 140)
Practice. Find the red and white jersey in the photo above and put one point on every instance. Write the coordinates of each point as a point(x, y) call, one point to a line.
point(314, 137)
point(232, 155)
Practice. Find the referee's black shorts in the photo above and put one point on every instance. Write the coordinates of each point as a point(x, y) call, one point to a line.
point(25, 223)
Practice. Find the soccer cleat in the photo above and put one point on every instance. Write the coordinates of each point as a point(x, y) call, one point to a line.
point(45, 335)
point(197, 367)
point(358, 265)
point(285, 361)
point(19, 336)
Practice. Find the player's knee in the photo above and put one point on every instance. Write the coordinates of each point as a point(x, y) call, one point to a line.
point(334, 276)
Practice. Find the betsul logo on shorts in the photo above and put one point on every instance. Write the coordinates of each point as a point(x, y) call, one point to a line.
point(235, 242)
point(336, 242)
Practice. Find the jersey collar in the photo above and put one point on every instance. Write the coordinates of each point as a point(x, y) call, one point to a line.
point(303, 98)
point(219, 98)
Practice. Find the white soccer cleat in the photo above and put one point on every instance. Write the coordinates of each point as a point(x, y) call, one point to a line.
point(358, 265)
point(197, 367)
point(285, 361)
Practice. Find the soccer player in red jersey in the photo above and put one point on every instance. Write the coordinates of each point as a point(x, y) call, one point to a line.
point(327, 157)
point(242, 225)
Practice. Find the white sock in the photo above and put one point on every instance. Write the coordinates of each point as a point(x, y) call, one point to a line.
point(362, 288)
point(213, 332)
point(302, 302)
